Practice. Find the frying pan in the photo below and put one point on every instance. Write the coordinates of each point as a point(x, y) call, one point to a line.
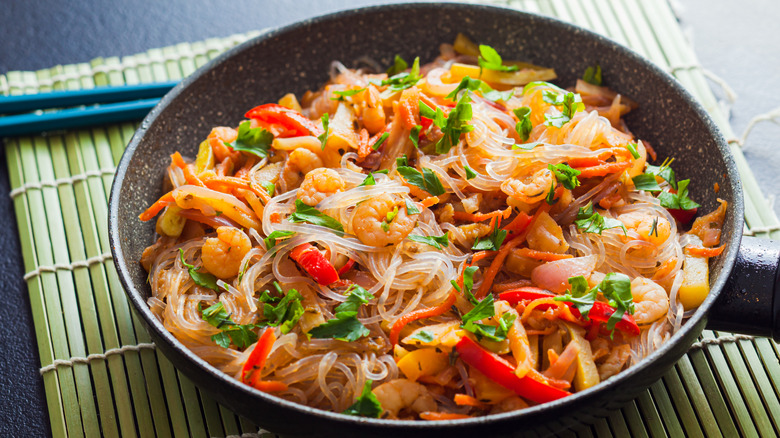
point(296, 58)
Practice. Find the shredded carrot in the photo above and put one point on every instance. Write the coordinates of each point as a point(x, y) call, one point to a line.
point(503, 287)
point(542, 255)
point(498, 262)
point(430, 201)
point(467, 400)
point(191, 178)
point(428, 312)
point(585, 162)
point(479, 217)
point(217, 182)
point(363, 148)
point(155, 208)
point(477, 256)
point(177, 160)
point(440, 416)
point(700, 251)
point(270, 386)
point(275, 218)
point(607, 202)
point(243, 172)
point(372, 141)
point(603, 169)
point(546, 331)
point(408, 107)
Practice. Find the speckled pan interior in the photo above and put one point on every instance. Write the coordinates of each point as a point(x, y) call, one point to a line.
point(297, 58)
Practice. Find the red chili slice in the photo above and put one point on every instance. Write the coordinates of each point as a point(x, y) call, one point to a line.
point(314, 263)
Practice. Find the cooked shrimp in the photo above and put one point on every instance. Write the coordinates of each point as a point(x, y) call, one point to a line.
point(615, 361)
point(650, 228)
point(529, 189)
point(382, 221)
point(318, 185)
point(300, 162)
point(222, 255)
point(650, 300)
point(400, 394)
point(373, 113)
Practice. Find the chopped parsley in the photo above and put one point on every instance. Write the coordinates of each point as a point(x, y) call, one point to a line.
point(399, 65)
point(565, 174)
point(435, 241)
point(414, 135)
point(411, 208)
point(426, 180)
point(524, 126)
point(423, 335)
point(590, 221)
point(570, 102)
point(452, 125)
point(490, 59)
point(476, 85)
point(550, 199)
point(486, 309)
point(241, 336)
point(646, 182)
point(202, 279)
point(370, 180)
point(403, 160)
point(632, 148)
point(615, 287)
point(468, 283)
point(285, 314)
point(271, 240)
point(679, 200)
point(491, 242)
point(592, 75)
point(345, 326)
point(366, 405)
point(323, 138)
point(341, 95)
point(269, 187)
point(470, 174)
point(306, 213)
point(664, 171)
point(403, 80)
point(357, 297)
point(255, 141)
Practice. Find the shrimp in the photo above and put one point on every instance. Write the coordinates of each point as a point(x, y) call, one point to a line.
point(382, 221)
point(615, 361)
point(530, 189)
point(397, 395)
point(372, 111)
point(222, 255)
point(653, 229)
point(300, 162)
point(318, 184)
point(650, 300)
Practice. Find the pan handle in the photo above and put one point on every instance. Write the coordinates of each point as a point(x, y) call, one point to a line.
point(750, 301)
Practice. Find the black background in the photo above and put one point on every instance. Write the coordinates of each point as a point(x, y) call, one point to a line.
point(736, 40)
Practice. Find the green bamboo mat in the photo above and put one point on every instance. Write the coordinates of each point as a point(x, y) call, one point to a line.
point(103, 376)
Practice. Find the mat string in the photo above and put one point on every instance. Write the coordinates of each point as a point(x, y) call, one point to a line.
point(259, 434)
point(68, 267)
point(720, 341)
point(61, 181)
point(85, 360)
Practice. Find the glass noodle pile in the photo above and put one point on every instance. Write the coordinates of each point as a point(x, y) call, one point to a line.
point(439, 241)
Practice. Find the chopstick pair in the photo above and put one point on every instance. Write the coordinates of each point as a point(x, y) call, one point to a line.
point(117, 104)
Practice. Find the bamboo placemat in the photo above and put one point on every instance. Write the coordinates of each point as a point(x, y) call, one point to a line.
point(103, 376)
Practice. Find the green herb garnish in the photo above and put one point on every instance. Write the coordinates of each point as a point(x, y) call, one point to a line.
point(255, 141)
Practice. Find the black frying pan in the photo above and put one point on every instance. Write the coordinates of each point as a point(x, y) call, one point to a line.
point(296, 58)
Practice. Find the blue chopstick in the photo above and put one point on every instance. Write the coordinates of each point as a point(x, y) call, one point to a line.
point(75, 117)
point(62, 99)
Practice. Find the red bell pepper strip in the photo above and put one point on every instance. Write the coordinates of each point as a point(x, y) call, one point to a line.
point(314, 263)
point(347, 266)
point(600, 313)
point(295, 123)
point(250, 372)
point(503, 373)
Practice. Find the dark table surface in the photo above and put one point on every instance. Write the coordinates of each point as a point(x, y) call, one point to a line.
point(735, 40)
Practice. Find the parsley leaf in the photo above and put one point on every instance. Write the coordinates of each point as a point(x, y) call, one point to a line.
point(427, 180)
point(616, 288)
point(592, 75)
point(590, 221)
point(370, 180)
point(491, 242)
point(404, 80)
point(526, 146)
point(550, 199)
point(346, 93)
point(468, 283)
point(306, 213)
point(452, 125)
point(200, 278)
point(680, 200)
point(470, 174)
point(434, 241)
point(411, 208)
point(565, 175)
point(285, 314)
point(242, 336)
point(483, 309)
point(414, 135)
point(403, 160)
point(571, 103)
point(380, 140)
point(399, 65)
point(524, 126)
point(345, 327)
point(646, 182)
point(357, 297)
point(465, 84)
point(581, 295)
point(366, 405)
point(423, 335)
point(486, 309)
point(255, 141)
point(476, 85)
point(269, 187)
point(491, 60)
point(271, 240)
point(664, 171)
point(323, 138)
